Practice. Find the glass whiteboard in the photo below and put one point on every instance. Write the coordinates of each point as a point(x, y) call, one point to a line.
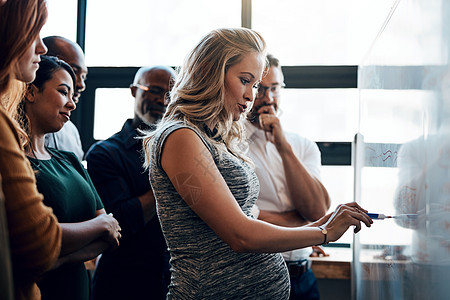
point(402, 156)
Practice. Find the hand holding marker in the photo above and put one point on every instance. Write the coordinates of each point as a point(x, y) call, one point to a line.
point(402, 217)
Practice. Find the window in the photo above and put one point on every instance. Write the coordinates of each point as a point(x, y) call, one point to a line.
point(322, 115)
point(327, 32)
point(112, 107)
point(148, 32)
point(62, 19)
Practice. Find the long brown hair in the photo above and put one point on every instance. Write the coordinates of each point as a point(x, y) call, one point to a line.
point(20, 24)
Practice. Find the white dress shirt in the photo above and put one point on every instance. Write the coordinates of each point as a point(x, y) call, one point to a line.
point(273, 195)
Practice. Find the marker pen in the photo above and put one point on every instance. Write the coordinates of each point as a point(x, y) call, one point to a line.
point(377, 216)
point(374, 216)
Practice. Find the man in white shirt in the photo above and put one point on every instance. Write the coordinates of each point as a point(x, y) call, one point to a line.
point(288, 169)
point(68, 138)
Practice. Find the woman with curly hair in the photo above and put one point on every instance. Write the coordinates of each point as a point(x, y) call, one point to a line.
point(87, 230)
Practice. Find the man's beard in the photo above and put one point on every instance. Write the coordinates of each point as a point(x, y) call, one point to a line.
point(253, 115)
point(150, 118)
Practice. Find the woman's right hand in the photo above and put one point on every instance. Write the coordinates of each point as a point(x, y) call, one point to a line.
point(112, 229)
point(345, 215)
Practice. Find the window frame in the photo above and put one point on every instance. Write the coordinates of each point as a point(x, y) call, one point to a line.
point(305, 77)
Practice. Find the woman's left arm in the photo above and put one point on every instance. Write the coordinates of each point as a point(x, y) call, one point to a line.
point(92, 243)
point(183, 157)
point(78, 235)
point(86, 253)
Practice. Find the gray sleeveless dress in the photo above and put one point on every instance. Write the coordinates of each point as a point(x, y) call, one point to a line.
point(202, 265)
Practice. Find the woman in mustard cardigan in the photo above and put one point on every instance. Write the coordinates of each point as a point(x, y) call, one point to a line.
point(34, 233)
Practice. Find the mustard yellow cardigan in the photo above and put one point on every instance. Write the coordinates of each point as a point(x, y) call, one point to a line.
point(34, 232)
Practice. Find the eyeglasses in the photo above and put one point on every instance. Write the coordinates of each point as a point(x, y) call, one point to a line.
point(274, 90)
point(151, 90)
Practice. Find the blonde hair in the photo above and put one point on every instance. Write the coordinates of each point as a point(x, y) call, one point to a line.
point(197, 97)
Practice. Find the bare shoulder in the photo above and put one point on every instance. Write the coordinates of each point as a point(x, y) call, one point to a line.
point(182, 138)
point(183, 147)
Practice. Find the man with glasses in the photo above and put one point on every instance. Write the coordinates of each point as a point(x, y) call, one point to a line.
point(139, 268)
point(288, 169)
